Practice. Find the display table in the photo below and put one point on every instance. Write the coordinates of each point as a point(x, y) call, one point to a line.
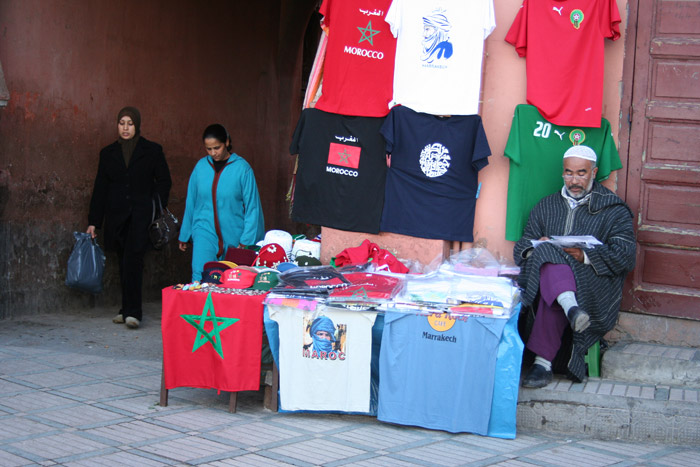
point(327, 375)
point(211, 340)
point(452, 373)
point(462, 376)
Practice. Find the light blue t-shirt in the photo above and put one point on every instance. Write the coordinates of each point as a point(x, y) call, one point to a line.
point(438, 373)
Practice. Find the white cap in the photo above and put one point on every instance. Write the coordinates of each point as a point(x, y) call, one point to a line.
point(282, 238)
point(306, 247)
point(583, 152)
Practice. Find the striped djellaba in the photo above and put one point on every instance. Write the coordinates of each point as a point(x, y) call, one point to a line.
point(599, 285)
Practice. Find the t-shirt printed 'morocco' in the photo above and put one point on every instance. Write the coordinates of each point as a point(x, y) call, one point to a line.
point(341, 173)
point(358, 69)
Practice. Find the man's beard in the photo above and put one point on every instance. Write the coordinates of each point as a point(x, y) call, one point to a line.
point(583, 191)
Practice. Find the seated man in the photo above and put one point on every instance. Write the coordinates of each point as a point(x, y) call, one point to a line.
point(577, 287)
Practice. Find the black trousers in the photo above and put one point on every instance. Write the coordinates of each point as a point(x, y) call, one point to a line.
point(131, 246)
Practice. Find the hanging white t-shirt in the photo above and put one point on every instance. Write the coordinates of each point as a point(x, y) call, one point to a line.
point(324, 358)
point(439, 53)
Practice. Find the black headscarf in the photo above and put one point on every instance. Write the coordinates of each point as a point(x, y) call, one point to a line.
point(128, 145)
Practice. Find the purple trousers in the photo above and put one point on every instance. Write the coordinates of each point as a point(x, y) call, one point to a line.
point(550, 320)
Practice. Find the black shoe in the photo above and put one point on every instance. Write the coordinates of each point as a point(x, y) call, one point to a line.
point(538, 377)
point(578, 319)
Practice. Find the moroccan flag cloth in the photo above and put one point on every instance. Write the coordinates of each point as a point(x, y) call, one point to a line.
point(212, 340)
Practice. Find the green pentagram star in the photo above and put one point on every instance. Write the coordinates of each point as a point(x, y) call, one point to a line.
point(360, 293)
point(343, 156)
point(212, 336)
point(368, 33)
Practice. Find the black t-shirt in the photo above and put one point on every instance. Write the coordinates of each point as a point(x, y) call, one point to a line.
point(432, 183)
point(341, 173)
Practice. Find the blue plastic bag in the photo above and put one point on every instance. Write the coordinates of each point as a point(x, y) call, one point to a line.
point(86, 264)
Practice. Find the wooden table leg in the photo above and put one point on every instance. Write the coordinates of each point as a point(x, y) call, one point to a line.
point(275, 387)
point(233, 402)
point(163, 390)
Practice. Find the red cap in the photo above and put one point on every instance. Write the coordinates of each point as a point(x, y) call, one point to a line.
point(270, 256)
point(240, 277)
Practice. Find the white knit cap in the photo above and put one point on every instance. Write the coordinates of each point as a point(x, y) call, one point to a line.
point(306, 247)
point(280, 237)
point(583, 152)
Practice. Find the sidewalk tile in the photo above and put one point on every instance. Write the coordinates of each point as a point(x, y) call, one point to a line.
point(58, 446)
point(98, 391)
point(55, 378)
point(142, 405)
point(591, 387)
point(186, 449)
point(686, 354)
point(198, 419)
point(375, 437)
point(567, 455)
point(22, 366)
point(690, 395)
point(445, 453)
point(563, 385)
point(114, 369)
point(662, 393)
point(132, 432)
point(255, 434)
point(17, 427)
point(118, 458)
point(8, 387)
point(246, 460)
point(34, 401)
point(676, 394)
point(319, 450)
point(647, 392)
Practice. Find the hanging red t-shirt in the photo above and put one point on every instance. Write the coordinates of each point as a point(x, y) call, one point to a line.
point(358, 71)
point(563, 41)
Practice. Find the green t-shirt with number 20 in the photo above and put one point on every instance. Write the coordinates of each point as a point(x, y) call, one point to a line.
point(536, 148)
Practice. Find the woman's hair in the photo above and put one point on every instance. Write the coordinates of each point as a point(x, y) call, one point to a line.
point(218, 132)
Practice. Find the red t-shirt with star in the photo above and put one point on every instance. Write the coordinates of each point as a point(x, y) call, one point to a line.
point(563, 41)
point(358, 70)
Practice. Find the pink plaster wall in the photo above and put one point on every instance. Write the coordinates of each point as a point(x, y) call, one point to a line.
point(503, 88)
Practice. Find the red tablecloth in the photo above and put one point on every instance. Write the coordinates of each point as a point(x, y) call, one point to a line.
point(212, 340)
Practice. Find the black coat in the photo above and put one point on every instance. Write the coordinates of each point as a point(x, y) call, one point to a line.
point(598, 285)
point(122, 197)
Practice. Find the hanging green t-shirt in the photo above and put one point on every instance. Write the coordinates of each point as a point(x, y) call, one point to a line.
point(536, 148)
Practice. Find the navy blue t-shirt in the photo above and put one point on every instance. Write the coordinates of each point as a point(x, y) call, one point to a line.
point(432, 182)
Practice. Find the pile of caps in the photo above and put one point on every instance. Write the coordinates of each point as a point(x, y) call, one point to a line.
point(245, 268)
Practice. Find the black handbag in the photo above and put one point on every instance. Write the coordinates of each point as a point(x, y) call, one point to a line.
point(164, 227)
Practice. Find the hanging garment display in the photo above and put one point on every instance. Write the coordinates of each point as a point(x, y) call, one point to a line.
point(563, 43)
point(432, 182)
point(341, 173)
point(535, 148)
point(358, 68)
point(439, 53)
point(324, 358)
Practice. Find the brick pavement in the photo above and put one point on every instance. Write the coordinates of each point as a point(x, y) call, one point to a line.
point(81, 408)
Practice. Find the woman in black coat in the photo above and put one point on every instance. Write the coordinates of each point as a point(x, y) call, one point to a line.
point(131, 171)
